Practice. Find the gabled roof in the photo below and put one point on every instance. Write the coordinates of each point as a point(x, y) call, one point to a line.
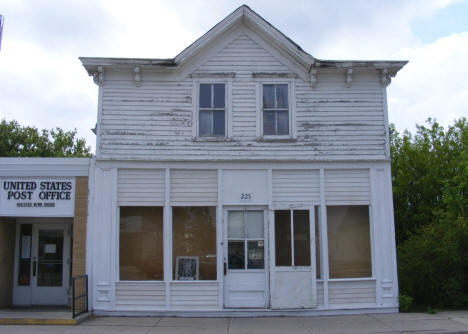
point(245, 15)
point(242, 15)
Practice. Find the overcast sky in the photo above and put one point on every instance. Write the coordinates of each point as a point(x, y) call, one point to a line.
point(42, 82)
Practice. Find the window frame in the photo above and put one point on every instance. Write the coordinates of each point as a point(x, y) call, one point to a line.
point(196, 109)
point(173, 257)
point(118, 245)
point(291, 109)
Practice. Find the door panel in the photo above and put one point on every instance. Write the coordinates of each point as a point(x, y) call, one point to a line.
point(293, 274)
point(246, 276)
point(293, 289)
point(50, 258)
point(245, 290)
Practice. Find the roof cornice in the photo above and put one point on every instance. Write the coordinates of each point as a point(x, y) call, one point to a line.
point(242, 15)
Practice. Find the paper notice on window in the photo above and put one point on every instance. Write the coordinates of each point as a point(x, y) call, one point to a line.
point(50, 248)
point(25, 246)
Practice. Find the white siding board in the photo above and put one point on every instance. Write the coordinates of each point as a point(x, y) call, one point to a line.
point(194, 186)
point(194, 296)
point(347, 186)
point(147, 295)
point(242, 55)
point(140, 187)
point(352, 292)
point(154, 121)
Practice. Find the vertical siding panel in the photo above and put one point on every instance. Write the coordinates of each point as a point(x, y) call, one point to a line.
point(347, 186)
point(194, 187)
point(140, 187)
point(296, 187)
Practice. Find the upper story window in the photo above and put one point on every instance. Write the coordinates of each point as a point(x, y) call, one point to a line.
point(212, 110)
point(276, 111)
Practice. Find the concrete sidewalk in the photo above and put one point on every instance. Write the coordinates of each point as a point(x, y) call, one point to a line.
point(444, 322)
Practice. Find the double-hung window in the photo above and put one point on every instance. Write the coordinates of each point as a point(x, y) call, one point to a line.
point(275, 109)
point(212, 110)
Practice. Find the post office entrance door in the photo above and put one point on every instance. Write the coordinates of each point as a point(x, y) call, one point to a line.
point(50, 272)
point(43, 265)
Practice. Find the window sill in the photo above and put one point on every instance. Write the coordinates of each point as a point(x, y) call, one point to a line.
point(351, 279)
point(212, 139)
point(281, 139)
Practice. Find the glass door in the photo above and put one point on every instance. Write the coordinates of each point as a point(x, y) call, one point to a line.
point(246, 264)
point(50, 265)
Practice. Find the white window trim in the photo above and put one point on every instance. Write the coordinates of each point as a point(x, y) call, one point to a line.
point(227, 110)
point(292, 108)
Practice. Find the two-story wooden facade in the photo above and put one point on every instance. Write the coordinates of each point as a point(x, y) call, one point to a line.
point(244, 177)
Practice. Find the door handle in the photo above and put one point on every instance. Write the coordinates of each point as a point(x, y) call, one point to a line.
point(225, 268)
point(34, 268)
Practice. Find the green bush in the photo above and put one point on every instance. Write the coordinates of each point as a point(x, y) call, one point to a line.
point(405, 303)
point(433, 266)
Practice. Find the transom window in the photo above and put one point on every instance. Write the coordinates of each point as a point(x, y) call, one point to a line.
point(275, 110)
point(212, 110)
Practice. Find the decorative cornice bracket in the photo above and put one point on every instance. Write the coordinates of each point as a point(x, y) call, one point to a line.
point(349, 77)
point(98, 76)
point(137, 76)
point(313, 73)
point(385, 77)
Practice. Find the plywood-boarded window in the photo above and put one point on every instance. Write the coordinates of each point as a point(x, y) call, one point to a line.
point(349, 251)
point(141, 243)
point(194, 242)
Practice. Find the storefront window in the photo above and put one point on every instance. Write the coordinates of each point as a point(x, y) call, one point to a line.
point(194, 243)
point(349, 252)
point(141, 243)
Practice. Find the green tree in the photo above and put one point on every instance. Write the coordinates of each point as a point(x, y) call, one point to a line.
point(430, 190)
point(28, 141)
point(423, 167)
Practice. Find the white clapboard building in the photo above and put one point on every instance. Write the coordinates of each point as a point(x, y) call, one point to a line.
point(242, 177)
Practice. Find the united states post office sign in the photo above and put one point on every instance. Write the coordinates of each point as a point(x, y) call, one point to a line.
point(37, 197)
